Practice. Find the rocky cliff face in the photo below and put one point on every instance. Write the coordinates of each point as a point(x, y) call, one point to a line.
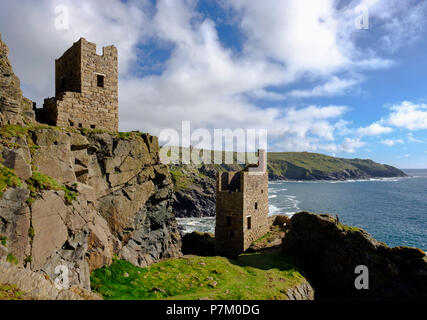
point(80, 199)
point(329, 252)
point(14, 108)
point(194, 191)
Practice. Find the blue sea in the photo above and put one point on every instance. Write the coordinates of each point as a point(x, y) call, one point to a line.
point(392, 210)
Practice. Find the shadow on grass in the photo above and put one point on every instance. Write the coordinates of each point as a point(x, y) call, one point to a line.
point(266, 260)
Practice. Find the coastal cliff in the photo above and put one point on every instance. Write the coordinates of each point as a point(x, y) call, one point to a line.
point(77, 197)
point(329, 253)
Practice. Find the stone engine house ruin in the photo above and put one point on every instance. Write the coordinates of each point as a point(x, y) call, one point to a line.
point(86, 89)
point(241, 208)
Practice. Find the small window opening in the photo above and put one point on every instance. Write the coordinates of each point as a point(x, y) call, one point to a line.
point(249, 219)
point(80, 125)
point(92, 126)
point(256, 205)
point(231, 234)
point(229, 221)
point(100, 80)
point(71, 123)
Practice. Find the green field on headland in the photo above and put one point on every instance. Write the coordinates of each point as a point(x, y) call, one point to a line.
point(250, 276)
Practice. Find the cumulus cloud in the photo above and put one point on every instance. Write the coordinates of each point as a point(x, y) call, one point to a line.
point(411, 138)
point(335, 86)
point(408, 115)
point(201, 79)
point(390, 142)
point(34, 42)
point(374, 129)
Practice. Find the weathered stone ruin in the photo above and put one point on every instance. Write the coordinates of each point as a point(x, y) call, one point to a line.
point(241, 209)
point(86, 94)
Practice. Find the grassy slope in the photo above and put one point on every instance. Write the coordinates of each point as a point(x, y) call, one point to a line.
point(293, 165)
point(250, 276)
point(311, 161)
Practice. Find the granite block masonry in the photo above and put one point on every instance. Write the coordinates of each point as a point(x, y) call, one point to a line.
point(241, 209)
point(86, 89)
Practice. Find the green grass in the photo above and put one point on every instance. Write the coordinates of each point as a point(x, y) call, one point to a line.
point(11, 259)
point(8, 179)
point(180, 180)
point(266, 238)
point(3, 241)
point(40, 181)
point(10, 292)
point(348, 228)
point(251, 276)
point(301, 165)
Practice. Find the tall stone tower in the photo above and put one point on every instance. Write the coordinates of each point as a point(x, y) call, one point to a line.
point(86, 89)
point(241, 208)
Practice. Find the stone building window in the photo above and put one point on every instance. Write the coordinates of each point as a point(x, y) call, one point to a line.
point(100, 80)
point(92, 126)
point(249, 220)
point(71, 123)
point(256, 205)
point(231, 234)
point(229, 221)
point(80, 125)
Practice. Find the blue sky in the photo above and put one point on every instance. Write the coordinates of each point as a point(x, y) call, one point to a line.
point(299, 68)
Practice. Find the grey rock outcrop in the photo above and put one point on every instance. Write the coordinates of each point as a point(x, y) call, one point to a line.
point(39, 287)
point(329, 253)
point(14, 108)
point(123, 204)
point(76, 199)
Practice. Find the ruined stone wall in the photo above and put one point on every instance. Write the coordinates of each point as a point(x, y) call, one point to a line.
point(80, 99)
point(229, 204)
point(255, 205)
point(68, 70)
point(240, 195)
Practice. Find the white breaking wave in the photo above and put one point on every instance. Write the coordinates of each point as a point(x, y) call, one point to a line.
point(205, 224)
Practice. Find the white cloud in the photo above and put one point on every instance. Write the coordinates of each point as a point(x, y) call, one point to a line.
point(374, 129)
point(411, 138)
point(335, 86)
point(408, 115)
point(390, 143)
point(202, 80)
point(34, 42)
point(351, 145)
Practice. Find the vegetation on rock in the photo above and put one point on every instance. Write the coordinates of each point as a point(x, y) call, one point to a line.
point(40, 181)
point(10, 292)
point(8, 179)
point(250, 276)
